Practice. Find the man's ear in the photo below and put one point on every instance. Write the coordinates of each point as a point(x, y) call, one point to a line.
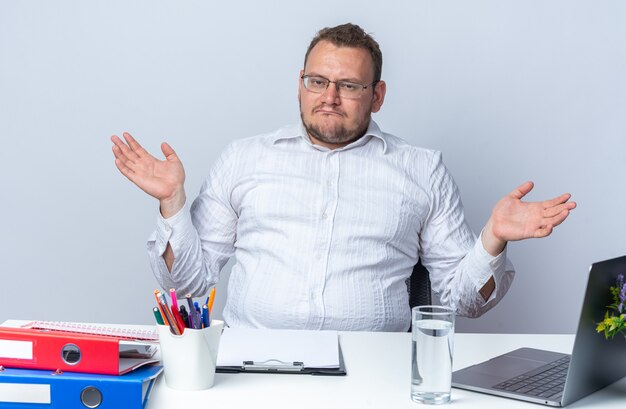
point(299, 83)
point(379, 96)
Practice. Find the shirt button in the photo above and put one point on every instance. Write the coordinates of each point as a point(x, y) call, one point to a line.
point(318, 256)
point(325, 215)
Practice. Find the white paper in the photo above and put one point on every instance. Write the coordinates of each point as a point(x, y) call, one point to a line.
point(316, 349)
point(25, 393)
point(16, 349)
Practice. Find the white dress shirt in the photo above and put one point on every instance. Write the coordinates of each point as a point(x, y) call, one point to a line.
point(325, 239)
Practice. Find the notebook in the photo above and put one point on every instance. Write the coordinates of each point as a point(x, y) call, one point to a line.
point(594, 363)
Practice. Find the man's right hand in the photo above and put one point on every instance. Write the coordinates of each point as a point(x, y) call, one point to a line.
point(161, 179)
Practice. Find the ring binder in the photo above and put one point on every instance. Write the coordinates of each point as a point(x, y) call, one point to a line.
point(30, 388)
point(273, 365)
point(72, 351)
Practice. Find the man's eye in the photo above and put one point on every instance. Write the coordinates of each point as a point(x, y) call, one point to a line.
point(317, 82)
point(348, 86)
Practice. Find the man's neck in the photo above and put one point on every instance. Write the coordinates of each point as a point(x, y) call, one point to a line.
point(332, 146)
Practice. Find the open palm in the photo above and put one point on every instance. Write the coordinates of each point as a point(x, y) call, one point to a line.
point(514, 219)
point(162, 179)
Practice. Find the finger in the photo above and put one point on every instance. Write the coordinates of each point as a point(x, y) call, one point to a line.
point(555, 210)
point(522, 190)
point(557, 200)
point(119, 155)
point(124, 148)
point(543, 231)
point(117, 141)
point(133, 144)
point(168, 151)
point(559, 218)
point(547, 228)
point(125, 170)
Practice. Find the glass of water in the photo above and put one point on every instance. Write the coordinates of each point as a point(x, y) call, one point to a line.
point(431, 362)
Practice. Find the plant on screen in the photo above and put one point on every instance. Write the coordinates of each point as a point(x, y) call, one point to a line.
point(614, 318)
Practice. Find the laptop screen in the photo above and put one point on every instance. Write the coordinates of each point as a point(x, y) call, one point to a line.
point(596, 362)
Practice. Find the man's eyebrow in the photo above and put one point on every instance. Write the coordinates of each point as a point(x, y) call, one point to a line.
point(313, 74)
point(352, 79)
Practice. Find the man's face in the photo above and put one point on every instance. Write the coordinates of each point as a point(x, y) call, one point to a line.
point(330, 120)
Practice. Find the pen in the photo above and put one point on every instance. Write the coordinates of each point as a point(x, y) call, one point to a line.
point(205, 316)
point(170, 318)
point(211, 300)
point(173, 297)
point(157, 316)
point(163, 316)
point(178, 319)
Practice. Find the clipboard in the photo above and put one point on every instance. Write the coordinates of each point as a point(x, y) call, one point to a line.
point(295, 352)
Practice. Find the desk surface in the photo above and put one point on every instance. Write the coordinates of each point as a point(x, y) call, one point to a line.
point(378, 366)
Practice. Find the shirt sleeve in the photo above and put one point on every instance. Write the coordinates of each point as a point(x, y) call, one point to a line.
point(202, 236)
point(458, 264)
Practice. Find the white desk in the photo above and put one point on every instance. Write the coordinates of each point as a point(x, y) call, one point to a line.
point(379, 367)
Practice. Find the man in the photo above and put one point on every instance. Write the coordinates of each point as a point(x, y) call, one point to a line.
point(327, 218)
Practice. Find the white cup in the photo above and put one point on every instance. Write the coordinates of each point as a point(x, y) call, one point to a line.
point(189, 359)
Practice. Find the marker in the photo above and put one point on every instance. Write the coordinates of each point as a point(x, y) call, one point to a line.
point(206, 322)
point(173, 297)
point(157, 316)
point(183, 314)
point(192, 313)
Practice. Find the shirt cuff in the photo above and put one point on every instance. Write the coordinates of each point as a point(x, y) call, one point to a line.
point(174, 230)
point(484, 266)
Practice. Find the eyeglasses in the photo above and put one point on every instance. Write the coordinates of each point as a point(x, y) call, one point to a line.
point(345, 89)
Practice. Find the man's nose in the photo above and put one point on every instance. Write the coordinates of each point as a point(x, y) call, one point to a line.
point(330, 95)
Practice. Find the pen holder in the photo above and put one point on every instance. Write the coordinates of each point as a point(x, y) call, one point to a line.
point(189, 359)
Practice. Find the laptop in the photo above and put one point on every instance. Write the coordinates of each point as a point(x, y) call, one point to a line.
point(552, 378)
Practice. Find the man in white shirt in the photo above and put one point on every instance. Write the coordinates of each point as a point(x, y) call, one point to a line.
point(327, 218)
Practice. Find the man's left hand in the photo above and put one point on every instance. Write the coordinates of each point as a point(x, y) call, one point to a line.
point(512, 219)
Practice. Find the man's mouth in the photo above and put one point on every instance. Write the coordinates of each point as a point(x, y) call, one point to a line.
point(327, 112)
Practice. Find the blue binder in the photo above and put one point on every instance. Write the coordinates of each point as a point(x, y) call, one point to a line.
point(36, 389)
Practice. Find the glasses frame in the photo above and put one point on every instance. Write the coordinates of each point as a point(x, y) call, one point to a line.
point(304, 77)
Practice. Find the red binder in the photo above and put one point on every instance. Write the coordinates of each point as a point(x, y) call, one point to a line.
point(72, 352)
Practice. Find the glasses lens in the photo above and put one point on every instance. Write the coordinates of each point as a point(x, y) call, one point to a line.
point(345, 89)
point(315, 84)
point(349, 89)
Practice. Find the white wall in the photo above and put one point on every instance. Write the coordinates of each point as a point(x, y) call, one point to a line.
point(508, 90)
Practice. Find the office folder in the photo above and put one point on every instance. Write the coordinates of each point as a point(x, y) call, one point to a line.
point(280, 351)
point(72, 352)
point(30, 389)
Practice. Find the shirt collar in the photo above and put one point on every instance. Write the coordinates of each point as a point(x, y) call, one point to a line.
point(297, 131)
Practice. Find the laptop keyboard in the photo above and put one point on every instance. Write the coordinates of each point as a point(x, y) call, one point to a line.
point(545, 382)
